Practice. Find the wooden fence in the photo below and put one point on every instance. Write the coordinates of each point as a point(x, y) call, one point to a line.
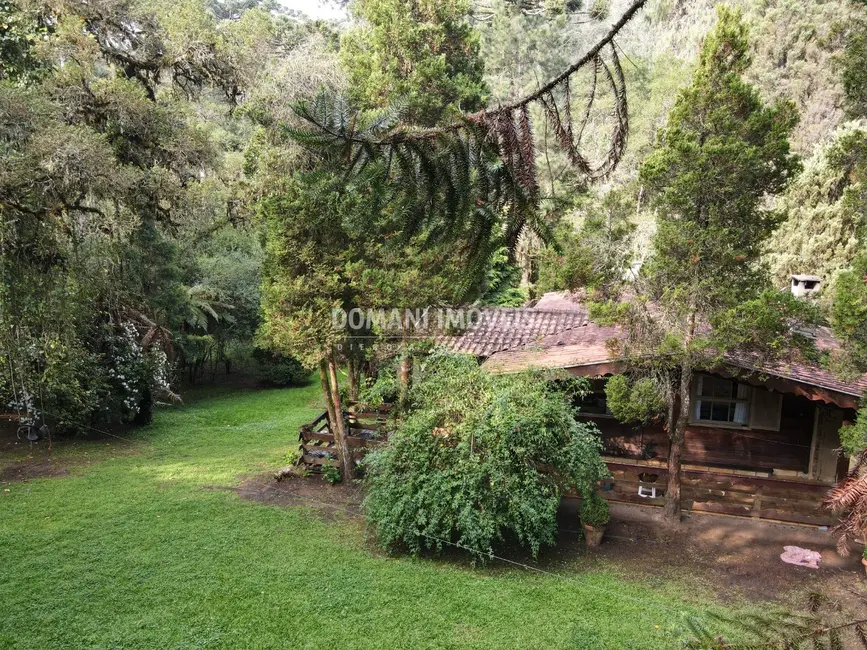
point(317, 447)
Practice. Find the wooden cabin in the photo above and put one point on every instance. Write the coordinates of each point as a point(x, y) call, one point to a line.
point(760, 442)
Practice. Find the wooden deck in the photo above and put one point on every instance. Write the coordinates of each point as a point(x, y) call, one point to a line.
point(723, 491)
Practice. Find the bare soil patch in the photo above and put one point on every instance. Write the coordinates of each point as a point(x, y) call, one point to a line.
point(21, 460)
point(735, 556)
point(24, 471)
point(311, 491)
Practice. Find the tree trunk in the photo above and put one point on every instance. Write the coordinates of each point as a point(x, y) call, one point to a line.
point(339, 425)
point(405, 376)
point(354, 379)
point(676, 430)
point(326, 391)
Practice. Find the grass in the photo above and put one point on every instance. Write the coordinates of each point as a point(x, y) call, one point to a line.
point(130, 551)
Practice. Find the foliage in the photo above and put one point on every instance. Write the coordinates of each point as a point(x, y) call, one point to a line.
point(598, 255)
point(825, 212)
point(595, 511)
point(306, 251)
point(478, 171)
point(110, 163)
point(720, 154)
point(20, 29)
point(853, 437)
point(634, 399)
point(853, 66)
point(470, 438)
point(423, 53)
point(331, 474)
point(849, 320)
point(849, 312)
point(502, 282)
point(278, 370)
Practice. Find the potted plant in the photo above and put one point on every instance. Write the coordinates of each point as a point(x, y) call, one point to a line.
point(595, 514)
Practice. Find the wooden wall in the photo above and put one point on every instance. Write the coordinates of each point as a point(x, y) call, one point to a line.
point(787, 449)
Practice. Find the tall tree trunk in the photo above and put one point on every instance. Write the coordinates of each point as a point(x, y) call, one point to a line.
point(676, 430)
point(354, 378)
point(339, 425)
point(326, 392)
point(405, 375)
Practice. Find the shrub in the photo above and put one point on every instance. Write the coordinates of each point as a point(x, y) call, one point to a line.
point(594, 510)
point(479, 457)
point(332, 474)
point(278, 370)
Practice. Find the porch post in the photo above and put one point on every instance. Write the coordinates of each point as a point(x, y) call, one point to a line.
point(814, 442)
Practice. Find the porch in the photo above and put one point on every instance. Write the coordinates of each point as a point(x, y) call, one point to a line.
point(758, 495)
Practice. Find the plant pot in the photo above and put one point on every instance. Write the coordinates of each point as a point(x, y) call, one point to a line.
point(593, 535)
point(864, 562)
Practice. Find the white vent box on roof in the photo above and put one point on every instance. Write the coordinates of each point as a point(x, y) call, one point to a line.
point(804, 285)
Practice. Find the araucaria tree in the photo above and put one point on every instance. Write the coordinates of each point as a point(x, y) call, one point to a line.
point(704, 292)
point(438, 177)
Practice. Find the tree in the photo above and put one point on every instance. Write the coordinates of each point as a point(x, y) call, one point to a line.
point(825, 211)
point(467, 187)
point(704, 291)
point(853, 63)
point(311, 246)
point(423, 53)
point(598, 255)
point(479, 457)
point(109, 160)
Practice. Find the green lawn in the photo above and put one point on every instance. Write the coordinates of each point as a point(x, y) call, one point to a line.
point(130, 551)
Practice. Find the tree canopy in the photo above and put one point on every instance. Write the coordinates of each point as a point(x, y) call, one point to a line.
point(721, 154)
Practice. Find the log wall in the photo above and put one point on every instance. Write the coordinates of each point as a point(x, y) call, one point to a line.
point(715, 491)
point(787, 450)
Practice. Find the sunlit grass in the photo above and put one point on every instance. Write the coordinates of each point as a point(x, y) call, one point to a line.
point(133, 552)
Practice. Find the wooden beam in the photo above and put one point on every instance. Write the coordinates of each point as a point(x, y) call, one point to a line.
point(814, 442)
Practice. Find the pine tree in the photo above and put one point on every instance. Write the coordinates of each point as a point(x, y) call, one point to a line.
point(423, 53)
point(722, 152)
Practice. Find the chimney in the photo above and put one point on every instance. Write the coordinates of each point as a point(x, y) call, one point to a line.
point(805, 285)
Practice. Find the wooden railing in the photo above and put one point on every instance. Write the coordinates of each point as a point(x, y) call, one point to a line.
point(317, 446)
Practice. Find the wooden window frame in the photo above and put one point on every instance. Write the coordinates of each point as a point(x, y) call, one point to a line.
point(724, 424)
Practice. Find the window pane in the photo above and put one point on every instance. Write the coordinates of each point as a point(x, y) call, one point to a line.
point(744, 391)
point(742, 413)
point(723, 388)
point(704, 410)
point(719, 411)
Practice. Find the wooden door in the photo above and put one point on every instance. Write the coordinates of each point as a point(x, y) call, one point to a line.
point(826, 444)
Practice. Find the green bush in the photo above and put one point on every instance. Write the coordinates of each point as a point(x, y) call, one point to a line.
point(278, 370)
point(477, 458)
point(331, 474)
point(595, 510)
point(634, 400)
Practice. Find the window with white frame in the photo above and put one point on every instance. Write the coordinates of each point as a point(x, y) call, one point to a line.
point(722, 401)
point(727, 402)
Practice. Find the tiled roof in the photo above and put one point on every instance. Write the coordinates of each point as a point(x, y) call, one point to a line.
point(498, 329)
point(557, 333)
point(806, 373)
